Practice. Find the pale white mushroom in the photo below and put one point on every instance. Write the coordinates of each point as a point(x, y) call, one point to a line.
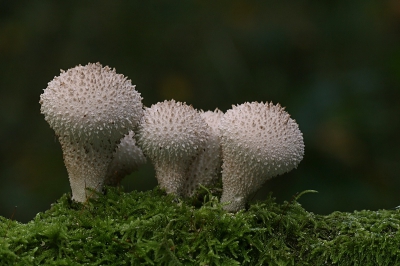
point(90, 108)
point(127, 158)
point(207, 165)
point(259, 141)
point(171, 134)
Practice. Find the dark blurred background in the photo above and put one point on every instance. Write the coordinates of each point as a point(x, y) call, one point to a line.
point(335, 65)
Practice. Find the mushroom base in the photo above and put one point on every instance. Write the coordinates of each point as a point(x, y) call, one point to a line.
point(84, 189)
point(233, 203)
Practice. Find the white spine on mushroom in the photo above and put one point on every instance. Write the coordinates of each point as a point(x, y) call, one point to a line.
point(259, 141)
point(90, 108)
point(127, 158)
point(206, 166)
point(171, 134)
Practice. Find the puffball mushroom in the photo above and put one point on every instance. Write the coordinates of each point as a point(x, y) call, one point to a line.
point(171, 134)
point(259, 141)
point(90, 108)
point(205, 168)
point(127, 158)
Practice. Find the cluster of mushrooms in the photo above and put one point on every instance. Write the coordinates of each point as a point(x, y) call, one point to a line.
point(106, 133)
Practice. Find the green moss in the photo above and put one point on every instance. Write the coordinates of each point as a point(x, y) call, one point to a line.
point(150, 228)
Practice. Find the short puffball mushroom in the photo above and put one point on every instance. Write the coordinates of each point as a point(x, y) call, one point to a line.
point(171, 134)
point(127, 158)
point(259, 141)
point(205, 168)
point(90, 108)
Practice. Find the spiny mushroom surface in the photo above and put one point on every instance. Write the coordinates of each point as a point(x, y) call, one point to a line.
point(127, 158)
point(171, 134)
point(90, 108)
point(205, 168)
point(259, 141)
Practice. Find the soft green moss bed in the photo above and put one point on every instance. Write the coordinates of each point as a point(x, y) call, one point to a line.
point(150, 228)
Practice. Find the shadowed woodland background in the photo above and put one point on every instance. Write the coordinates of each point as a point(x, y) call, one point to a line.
point(335, 65)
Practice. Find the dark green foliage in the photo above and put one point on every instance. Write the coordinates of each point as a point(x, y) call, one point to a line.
point(150, 228)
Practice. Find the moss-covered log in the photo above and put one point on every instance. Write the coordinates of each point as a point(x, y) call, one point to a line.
point(150, 228)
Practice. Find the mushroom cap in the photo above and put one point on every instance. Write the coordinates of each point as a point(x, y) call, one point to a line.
point(259, 141)
point(171, 134)
point(171, 130)
point(127, 158)
point(213, 119)
point(205, 168)
point(91, 102)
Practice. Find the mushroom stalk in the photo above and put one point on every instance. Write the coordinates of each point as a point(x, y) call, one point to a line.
point(80, 162)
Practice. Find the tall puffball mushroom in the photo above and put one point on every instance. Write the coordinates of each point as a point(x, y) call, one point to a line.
point(90, 108)
point(127, 158)
point(171, 134)
point(205, 168)
point(259, 141)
